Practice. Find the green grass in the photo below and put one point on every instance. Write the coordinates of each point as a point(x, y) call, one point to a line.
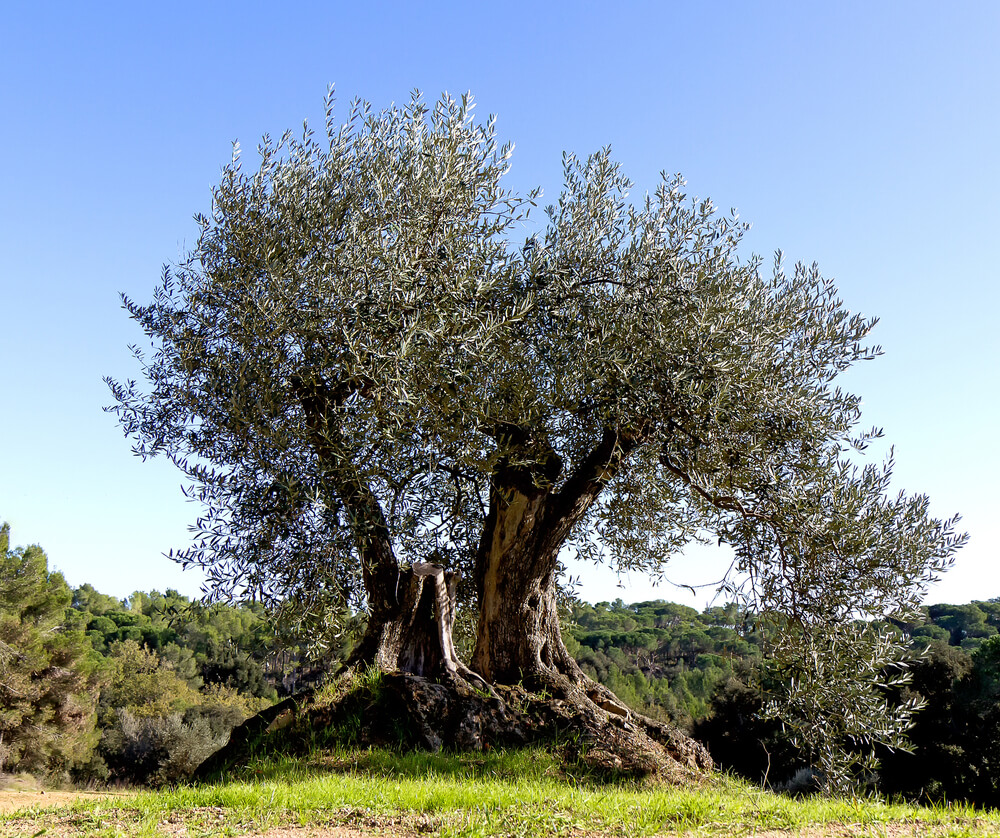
point(517, 793)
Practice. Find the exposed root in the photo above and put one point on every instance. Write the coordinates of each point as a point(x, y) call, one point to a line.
point(614, 738)
point(412, 712)
point(464, 677)
point(570, 683)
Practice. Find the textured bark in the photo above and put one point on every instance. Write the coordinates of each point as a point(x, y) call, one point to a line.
point(416, 636)
point(518, 635)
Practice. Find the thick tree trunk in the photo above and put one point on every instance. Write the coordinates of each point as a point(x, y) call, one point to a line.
point(519, 642)
point(415, 636)
point(518, 638)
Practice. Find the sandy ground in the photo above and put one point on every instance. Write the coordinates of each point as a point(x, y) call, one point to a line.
point(824, 831)
point(63, 828)
point(347, 832)
point(13, 799)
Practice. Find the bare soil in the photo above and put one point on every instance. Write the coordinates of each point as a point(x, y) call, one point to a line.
point(66, 827)
point(12, 800)
point(889, 830)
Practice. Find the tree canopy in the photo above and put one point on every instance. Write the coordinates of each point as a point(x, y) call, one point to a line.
point(371, 366)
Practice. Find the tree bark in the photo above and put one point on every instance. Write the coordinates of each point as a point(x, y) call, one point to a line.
point(518, 638)
point(416, 635)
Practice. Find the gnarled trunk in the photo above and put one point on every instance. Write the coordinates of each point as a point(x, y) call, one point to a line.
point(518, 638)
point(415, 635)
point(519, 641)
point(528, 523)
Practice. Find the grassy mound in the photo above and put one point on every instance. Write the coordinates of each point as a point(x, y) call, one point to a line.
point(409, 713)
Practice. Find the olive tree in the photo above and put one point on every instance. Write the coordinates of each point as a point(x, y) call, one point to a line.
point(385, 389)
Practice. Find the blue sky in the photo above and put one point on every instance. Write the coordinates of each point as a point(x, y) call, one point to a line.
point(859, 135)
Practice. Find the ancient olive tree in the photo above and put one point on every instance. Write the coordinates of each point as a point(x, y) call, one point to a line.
point(380, 386)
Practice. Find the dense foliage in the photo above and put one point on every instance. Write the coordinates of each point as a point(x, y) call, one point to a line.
point(48, 674)
point(952, 753)
point(141, 689)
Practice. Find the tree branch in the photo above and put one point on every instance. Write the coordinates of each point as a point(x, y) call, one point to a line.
point(593, 473)
point(379, 568)
point(730, 503)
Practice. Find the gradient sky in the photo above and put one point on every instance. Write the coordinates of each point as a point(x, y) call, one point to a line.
point(859, 135)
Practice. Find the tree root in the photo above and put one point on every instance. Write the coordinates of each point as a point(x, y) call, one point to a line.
point(406, 711)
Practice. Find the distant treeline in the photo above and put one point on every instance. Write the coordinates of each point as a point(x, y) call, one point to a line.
point(142, 689)
point(663, 659)
point(669, 660)
point(702, 671)
point(135, 690)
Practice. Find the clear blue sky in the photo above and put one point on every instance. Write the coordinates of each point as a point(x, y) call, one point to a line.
point(860, 135)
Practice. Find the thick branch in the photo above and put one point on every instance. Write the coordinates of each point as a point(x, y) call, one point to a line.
point(379, 568)
point(593, 473)
point(554, 514)
point(529, 464)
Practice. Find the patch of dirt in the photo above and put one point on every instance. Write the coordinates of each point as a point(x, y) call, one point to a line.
point(11, 800)
point(875, 830)
point(889, 830)
point(201, 823)
point(332, 832)
point(204, 822)
point(886, 830)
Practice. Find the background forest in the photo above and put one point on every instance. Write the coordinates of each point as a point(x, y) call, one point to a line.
point(96, 689)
